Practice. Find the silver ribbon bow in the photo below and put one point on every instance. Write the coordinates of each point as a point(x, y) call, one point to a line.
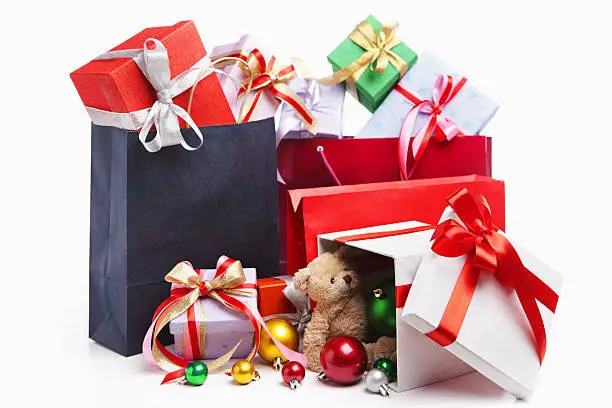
point(300, 301)
point(153, 61)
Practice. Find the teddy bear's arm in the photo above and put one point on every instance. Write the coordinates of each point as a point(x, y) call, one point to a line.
point(315, 337)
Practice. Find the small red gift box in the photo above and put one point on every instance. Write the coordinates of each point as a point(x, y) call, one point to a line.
point(315, 211)
point(270, 297)
point(359, 161)
point(118, 85)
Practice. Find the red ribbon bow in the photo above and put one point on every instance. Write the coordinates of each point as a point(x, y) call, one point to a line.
point(490, 251)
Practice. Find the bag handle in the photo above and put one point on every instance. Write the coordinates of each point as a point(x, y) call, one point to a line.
point(321, 151)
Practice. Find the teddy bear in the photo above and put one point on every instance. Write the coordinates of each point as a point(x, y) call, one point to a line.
point(340, 308)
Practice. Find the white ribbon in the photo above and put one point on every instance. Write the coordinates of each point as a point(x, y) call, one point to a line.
point(301, 302)
point(155, 65)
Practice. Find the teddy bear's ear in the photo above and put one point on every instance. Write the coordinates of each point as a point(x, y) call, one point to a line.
point(300, 280)
point(342, 252)
point(347, 255)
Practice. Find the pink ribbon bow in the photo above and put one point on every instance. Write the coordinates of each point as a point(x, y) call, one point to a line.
point(443, 92)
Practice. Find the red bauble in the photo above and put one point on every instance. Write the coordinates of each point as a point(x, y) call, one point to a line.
point(343, 359)
point(293, 370)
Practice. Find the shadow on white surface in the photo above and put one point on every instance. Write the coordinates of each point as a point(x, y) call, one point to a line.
point(472, 385)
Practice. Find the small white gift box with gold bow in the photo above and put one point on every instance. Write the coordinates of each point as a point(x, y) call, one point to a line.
point(218, 326)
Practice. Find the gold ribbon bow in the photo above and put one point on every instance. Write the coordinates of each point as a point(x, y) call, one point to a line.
point(192, 288)
point(261, 76)
point(377, 56)
point(274, 78)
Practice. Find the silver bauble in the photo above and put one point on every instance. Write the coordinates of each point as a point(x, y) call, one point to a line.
point(377, 381)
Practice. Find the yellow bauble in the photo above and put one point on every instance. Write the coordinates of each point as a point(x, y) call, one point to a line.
point(282, 331)
point(243, 372)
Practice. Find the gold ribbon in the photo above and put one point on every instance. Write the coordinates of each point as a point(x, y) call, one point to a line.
point(219, 62)
point(273, 77)
point(184, 275)
point(261, 75)
point(377, 56)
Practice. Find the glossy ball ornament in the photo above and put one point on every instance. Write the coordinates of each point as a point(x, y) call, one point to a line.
point(376, 381)
point(381, 309)
point(196, 373)
point(293, 374)
point(243, 372)
point(343, 359)
point(388, 366)
point(282, 331)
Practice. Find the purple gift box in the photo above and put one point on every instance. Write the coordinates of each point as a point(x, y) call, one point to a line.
point(223, 327)
point(324, 102)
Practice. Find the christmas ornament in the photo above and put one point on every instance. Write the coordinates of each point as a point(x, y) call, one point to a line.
point(243, 372)
point(376, 381)
point(381, 309)
point(196, 373)
point(293, 373)
point(388, 366)
point(282, 331)
point(343, 359)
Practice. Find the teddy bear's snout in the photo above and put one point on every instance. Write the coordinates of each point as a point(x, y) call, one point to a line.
point(348, 279)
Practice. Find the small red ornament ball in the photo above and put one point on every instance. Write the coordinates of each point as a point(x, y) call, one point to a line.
point(343, 359)
point(293, 370)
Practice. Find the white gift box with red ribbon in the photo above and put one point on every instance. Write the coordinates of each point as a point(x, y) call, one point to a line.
point(399, 246)
point(486, 315)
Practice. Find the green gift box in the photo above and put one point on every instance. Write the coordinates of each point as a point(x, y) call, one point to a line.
point(371, 87)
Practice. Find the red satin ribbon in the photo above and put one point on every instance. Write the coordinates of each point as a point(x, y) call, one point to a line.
point(381, 234)
point(401, 294)
point(177, 293)
point(489, 251)
point(437, 125)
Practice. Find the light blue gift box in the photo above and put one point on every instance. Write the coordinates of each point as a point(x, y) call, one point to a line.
point(471, 110)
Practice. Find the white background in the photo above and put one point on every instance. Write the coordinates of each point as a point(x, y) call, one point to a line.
point(547, 63)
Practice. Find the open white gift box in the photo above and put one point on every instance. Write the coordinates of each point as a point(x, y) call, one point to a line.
point(490, 332)
point(420, 361)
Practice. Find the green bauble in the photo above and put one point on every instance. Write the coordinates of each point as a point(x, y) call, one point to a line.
point(381, 309)
point(388, 366)
point(196, 373)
